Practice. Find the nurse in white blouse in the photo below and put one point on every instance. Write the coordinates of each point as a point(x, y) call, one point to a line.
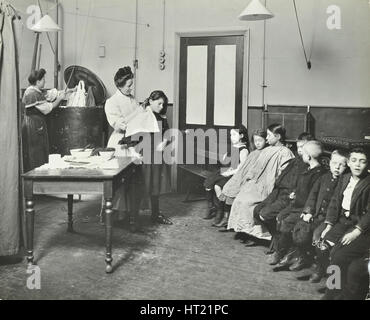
point(121, 108)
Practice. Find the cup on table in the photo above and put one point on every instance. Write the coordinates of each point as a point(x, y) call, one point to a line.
point(55, 159)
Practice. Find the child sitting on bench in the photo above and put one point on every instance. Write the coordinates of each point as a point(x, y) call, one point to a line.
point(215, 181)
point(347, 233)
point(232, 187)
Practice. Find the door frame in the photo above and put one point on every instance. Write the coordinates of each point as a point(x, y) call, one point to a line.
point(245, 32)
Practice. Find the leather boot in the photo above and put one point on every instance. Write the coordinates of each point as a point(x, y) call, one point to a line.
point(288, 259)
point(220, 213)
point(275, 258)
point(322, 262)
point(223, 223)
point(300, 263)
point(211, 211)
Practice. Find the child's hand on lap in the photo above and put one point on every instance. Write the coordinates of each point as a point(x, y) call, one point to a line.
point(227, 173)
point(326, 230)
point(350, 236)
point(307, 217)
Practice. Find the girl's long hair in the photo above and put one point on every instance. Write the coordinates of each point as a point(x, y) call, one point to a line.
point(260, 133)
point(277, 128)
point(156, 95)
point(243, 130)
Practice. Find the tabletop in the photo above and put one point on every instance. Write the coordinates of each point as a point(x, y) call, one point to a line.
point(79, 173)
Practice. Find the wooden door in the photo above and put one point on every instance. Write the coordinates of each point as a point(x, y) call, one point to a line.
point(211, 82)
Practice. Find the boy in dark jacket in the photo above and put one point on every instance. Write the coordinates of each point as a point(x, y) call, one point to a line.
point(347, 230)
point(288, 217)
point(266, 212)
point(315, 209)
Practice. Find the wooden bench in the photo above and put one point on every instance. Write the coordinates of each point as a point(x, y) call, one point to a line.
point(197, 171)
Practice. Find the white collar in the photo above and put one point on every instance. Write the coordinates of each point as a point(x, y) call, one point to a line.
point(35, 88)
point(352, 181)
point(120, 94)
point(239, 144)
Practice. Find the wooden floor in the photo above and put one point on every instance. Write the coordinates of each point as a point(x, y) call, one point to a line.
point(188, 260)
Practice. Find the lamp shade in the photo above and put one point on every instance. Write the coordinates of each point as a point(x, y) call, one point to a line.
point(255, 11)
point(46, 24)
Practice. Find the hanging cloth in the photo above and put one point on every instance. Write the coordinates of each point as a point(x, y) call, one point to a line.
point(78, 98)
point(90, 99)
point(9, 160)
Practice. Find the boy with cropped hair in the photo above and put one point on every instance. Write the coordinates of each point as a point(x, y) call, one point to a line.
point(308, 231)
point(288, 217)
point(347, 233)
point(266, 212)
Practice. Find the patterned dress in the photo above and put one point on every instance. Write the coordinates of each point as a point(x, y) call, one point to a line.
point(259, 184)
point(233, 186)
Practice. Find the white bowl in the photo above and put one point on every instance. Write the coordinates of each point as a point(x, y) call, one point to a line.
point(106, 155)
point(81, 153)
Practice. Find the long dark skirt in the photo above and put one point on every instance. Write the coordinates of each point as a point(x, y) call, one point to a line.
point(35, 141)
point(157, 179)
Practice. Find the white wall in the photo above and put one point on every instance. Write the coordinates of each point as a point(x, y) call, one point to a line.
point(340, 58)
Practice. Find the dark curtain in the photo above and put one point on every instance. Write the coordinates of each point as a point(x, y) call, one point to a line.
point(9, 143)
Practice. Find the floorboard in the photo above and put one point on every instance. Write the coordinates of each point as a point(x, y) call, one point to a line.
point(188, 260)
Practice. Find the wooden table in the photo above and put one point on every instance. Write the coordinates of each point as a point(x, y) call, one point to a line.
point(78, 181)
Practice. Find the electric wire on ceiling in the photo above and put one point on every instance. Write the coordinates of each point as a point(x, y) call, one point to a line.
point(300, 34)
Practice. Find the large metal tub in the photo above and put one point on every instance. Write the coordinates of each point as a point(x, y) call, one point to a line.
point(77, 127)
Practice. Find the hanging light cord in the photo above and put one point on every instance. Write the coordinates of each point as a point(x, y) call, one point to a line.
point(47, 33)
point(164, 25)
point(300, 34)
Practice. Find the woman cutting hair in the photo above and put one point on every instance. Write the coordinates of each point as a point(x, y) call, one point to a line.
point(121, 108)
point(38, 104)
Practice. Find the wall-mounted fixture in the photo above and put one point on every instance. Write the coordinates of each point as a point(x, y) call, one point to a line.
point(162, 60)
point(101, 51)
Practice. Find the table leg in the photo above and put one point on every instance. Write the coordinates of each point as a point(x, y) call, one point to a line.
point(30, 222)
point(102, 210)
point(70, 213)
point(108, 234)
point(134, 196)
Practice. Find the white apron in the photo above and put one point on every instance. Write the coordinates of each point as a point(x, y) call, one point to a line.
point(124, 108)
point(117, 108)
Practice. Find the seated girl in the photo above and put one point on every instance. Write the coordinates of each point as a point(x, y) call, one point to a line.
point(215, 181)
point(232, 186)
point(259, 182)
